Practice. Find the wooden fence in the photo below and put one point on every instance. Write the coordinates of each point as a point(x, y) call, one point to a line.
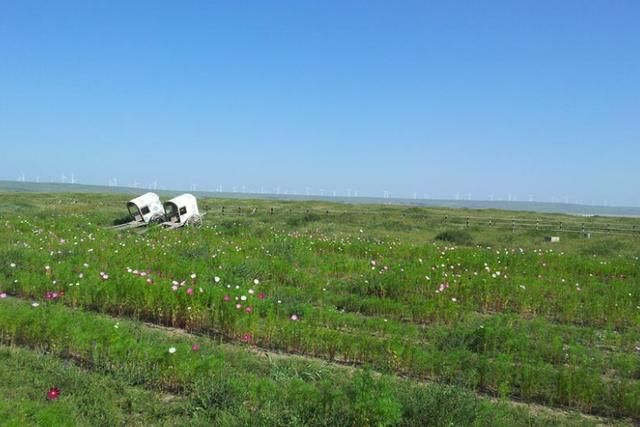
point(539, 224)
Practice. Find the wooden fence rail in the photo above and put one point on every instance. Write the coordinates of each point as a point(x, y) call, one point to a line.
point(544, 224)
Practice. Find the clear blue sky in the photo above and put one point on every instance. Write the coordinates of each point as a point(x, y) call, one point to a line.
point(536, 98)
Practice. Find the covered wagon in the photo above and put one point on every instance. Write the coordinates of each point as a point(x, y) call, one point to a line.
point(182, 210)
point(146, 208)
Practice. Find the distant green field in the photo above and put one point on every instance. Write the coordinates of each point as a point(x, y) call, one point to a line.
point(280, 312)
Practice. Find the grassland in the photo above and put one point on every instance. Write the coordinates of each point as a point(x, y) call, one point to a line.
point(312, 313)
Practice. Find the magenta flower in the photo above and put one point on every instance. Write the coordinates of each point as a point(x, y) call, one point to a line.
point(226, 298)
point(248, 309)
point(53, 393)
point(195, 347)
point(3, 295)
point(190, 291)
point(261, 295)
point(247, 337)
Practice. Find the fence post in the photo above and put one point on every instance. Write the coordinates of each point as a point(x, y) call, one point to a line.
point(238, 209)
point(513, 225)
point(445, 218)
point(490, 222)
point(560, 225)
point(271, 211)
point(223, 210)
point(608, 228)
point(537, 224)
point(467, 222)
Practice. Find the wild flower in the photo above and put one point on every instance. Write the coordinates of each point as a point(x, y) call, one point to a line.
point(294, 317)
point(12, 265)
point(226, 298)
point(238, 306)
point(256, 281)
point(261, 295)
point(195, 347)
point(249, 310)
point(193, 275)
point(53, 393)
point(243, 298)
point(247, 337)
point(174, 288)
point(250, 291)
point(189, 291)
point(35, 304)
point(216, 279)
point(172, 350)
point(3, 295)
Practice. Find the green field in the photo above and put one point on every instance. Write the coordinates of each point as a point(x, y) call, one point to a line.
point(313, 313)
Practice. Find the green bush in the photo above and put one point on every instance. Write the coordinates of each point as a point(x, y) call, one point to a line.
point(459, 237)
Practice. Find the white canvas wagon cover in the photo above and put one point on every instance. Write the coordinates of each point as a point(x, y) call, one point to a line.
point(146, 207)
point(181, 208)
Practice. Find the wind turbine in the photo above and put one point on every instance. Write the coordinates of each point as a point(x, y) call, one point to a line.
point(63, 178)
point(73, 178)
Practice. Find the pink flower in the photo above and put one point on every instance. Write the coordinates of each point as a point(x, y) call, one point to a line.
point(226, 298)
point(247, 337)
point(261, 295)
point(53, 393)
point(248, 309)
point(195, 347)
point(294, 317)
point(238, 306)
point(190, 291)
point(3, 295)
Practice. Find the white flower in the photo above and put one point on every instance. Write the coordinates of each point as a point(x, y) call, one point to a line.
point(193, 275)
point(216, 279)
point(243, 298)
point(46, 267)
point(35, 304)
point(453, 299)
point(13, 265)
point(251, 291)
point(256, 281)
point(172, 350)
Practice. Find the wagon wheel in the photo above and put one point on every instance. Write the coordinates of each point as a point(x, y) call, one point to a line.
point(156, 219)
point(195, 220)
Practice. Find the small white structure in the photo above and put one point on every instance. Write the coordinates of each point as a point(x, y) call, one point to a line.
point(552, 239)
point(146, 208)
point(182, 210)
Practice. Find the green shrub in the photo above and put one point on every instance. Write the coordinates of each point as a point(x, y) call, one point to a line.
point(459, 237)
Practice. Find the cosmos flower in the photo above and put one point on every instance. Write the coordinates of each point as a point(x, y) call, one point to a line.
point(53, 393)
point(195, 347)
point(216, 279)
point(294, 317)
point(3, 295)
point(256, 281)
point(172, 350)
point(189, 291)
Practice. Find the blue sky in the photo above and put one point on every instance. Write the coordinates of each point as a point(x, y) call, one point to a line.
point(471, 98)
